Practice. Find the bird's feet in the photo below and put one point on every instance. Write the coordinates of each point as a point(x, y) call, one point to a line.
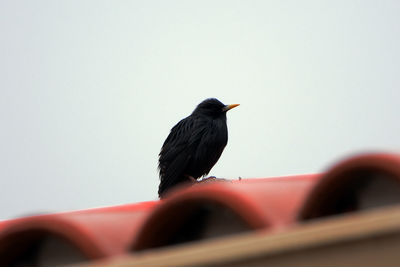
point(211, 179)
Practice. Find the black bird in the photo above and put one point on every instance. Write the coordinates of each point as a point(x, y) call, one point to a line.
point(194, 145)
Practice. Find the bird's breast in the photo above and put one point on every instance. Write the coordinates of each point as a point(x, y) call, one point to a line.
point(218, 133)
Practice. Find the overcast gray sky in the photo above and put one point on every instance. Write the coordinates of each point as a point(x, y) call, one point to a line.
point(90, 90)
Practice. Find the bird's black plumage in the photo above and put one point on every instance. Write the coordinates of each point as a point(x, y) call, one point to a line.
point(194, 145)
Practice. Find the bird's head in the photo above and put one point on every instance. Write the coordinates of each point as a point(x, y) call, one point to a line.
point(213, 107)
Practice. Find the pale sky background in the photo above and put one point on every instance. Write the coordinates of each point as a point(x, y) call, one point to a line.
point(90, 89)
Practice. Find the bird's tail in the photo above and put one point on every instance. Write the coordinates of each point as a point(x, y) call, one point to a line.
point(172, 174)
point(166, 184)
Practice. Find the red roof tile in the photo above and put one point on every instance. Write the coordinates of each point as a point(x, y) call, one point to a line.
point(207, 211)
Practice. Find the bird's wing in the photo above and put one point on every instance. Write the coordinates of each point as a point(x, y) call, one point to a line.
point(177, 141)
point(175, 154)
point(212, 143)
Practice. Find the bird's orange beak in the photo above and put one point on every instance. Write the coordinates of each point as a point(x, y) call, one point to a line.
point(228, 107)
